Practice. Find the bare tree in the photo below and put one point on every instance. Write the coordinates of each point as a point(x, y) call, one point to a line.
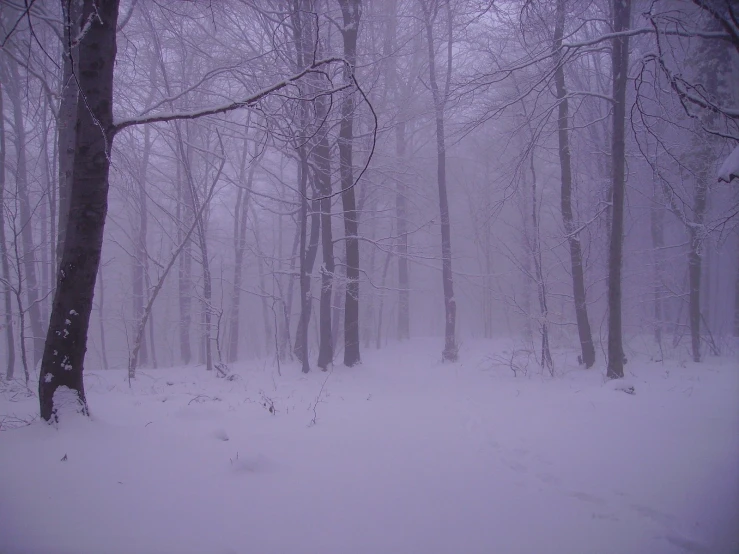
point(572, 234)
point(351, 11)
point(440, 95)
point(10, 367)
point(620, 67)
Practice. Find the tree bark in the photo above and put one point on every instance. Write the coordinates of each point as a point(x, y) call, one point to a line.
point(451, 350)
point(736, 298)
point(620, 64)
point(62, 365)
point(71, 12)
point(695, 263)
point(10, 364)
point(351, 11)
point(240, 219)
point(658, 242)
point(563, 124)
point(322, 156)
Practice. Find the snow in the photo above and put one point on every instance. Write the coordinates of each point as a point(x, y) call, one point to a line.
point(406, 455)
point(730, 168)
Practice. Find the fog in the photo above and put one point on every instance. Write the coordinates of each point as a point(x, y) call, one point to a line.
point(442, 267)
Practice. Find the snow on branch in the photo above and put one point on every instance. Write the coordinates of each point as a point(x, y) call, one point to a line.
point(245, 103)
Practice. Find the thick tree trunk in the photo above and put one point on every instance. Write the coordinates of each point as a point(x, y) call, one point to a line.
point(351, 11)
point(7, 295)
point(563, 124)
point(62, 365)
point(71, 12)
point(620, 65)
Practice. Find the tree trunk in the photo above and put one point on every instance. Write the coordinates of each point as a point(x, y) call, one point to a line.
point(10, 367)
point(451, 350)
point(322, 155)
point(101, 319)
point(301, 335)
point(140, 247)
point(29, 249)
point(401, 200)
point(620, 66)
point(378, 336)
point(71, 12)
point(736, 298)
point(695, 264)
point(541, 287)
point(62, 365)
point(240, 219)
point(184, 274)
point(351, 11)
point(658, 243)
point(401, 215)
point(563, 124)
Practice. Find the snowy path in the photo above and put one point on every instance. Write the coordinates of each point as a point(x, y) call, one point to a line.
point(407, 455)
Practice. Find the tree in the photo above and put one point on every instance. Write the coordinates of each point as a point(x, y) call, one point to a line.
point(66, 340)
point(572, 234)
point(7, 294)
point(440, 95)
point(619, 68)
point(351, 11)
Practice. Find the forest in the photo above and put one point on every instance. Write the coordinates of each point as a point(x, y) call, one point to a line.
point(318, 188)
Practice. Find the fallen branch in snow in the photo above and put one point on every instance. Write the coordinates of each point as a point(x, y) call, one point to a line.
point(318, 399)
point(8, 422)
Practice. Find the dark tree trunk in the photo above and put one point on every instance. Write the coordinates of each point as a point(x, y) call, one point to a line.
point(351, 11)
point(620, 65)
point(563, 124)
point(322, 154)
point(451, 350)
point(71, 12)
point(62, 365)
point(10, 367)
point(308, 260)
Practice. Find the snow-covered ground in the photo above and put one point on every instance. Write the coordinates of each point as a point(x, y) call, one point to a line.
point(400, 455)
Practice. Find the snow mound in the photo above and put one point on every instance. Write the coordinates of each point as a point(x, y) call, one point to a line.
point(730, 168)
